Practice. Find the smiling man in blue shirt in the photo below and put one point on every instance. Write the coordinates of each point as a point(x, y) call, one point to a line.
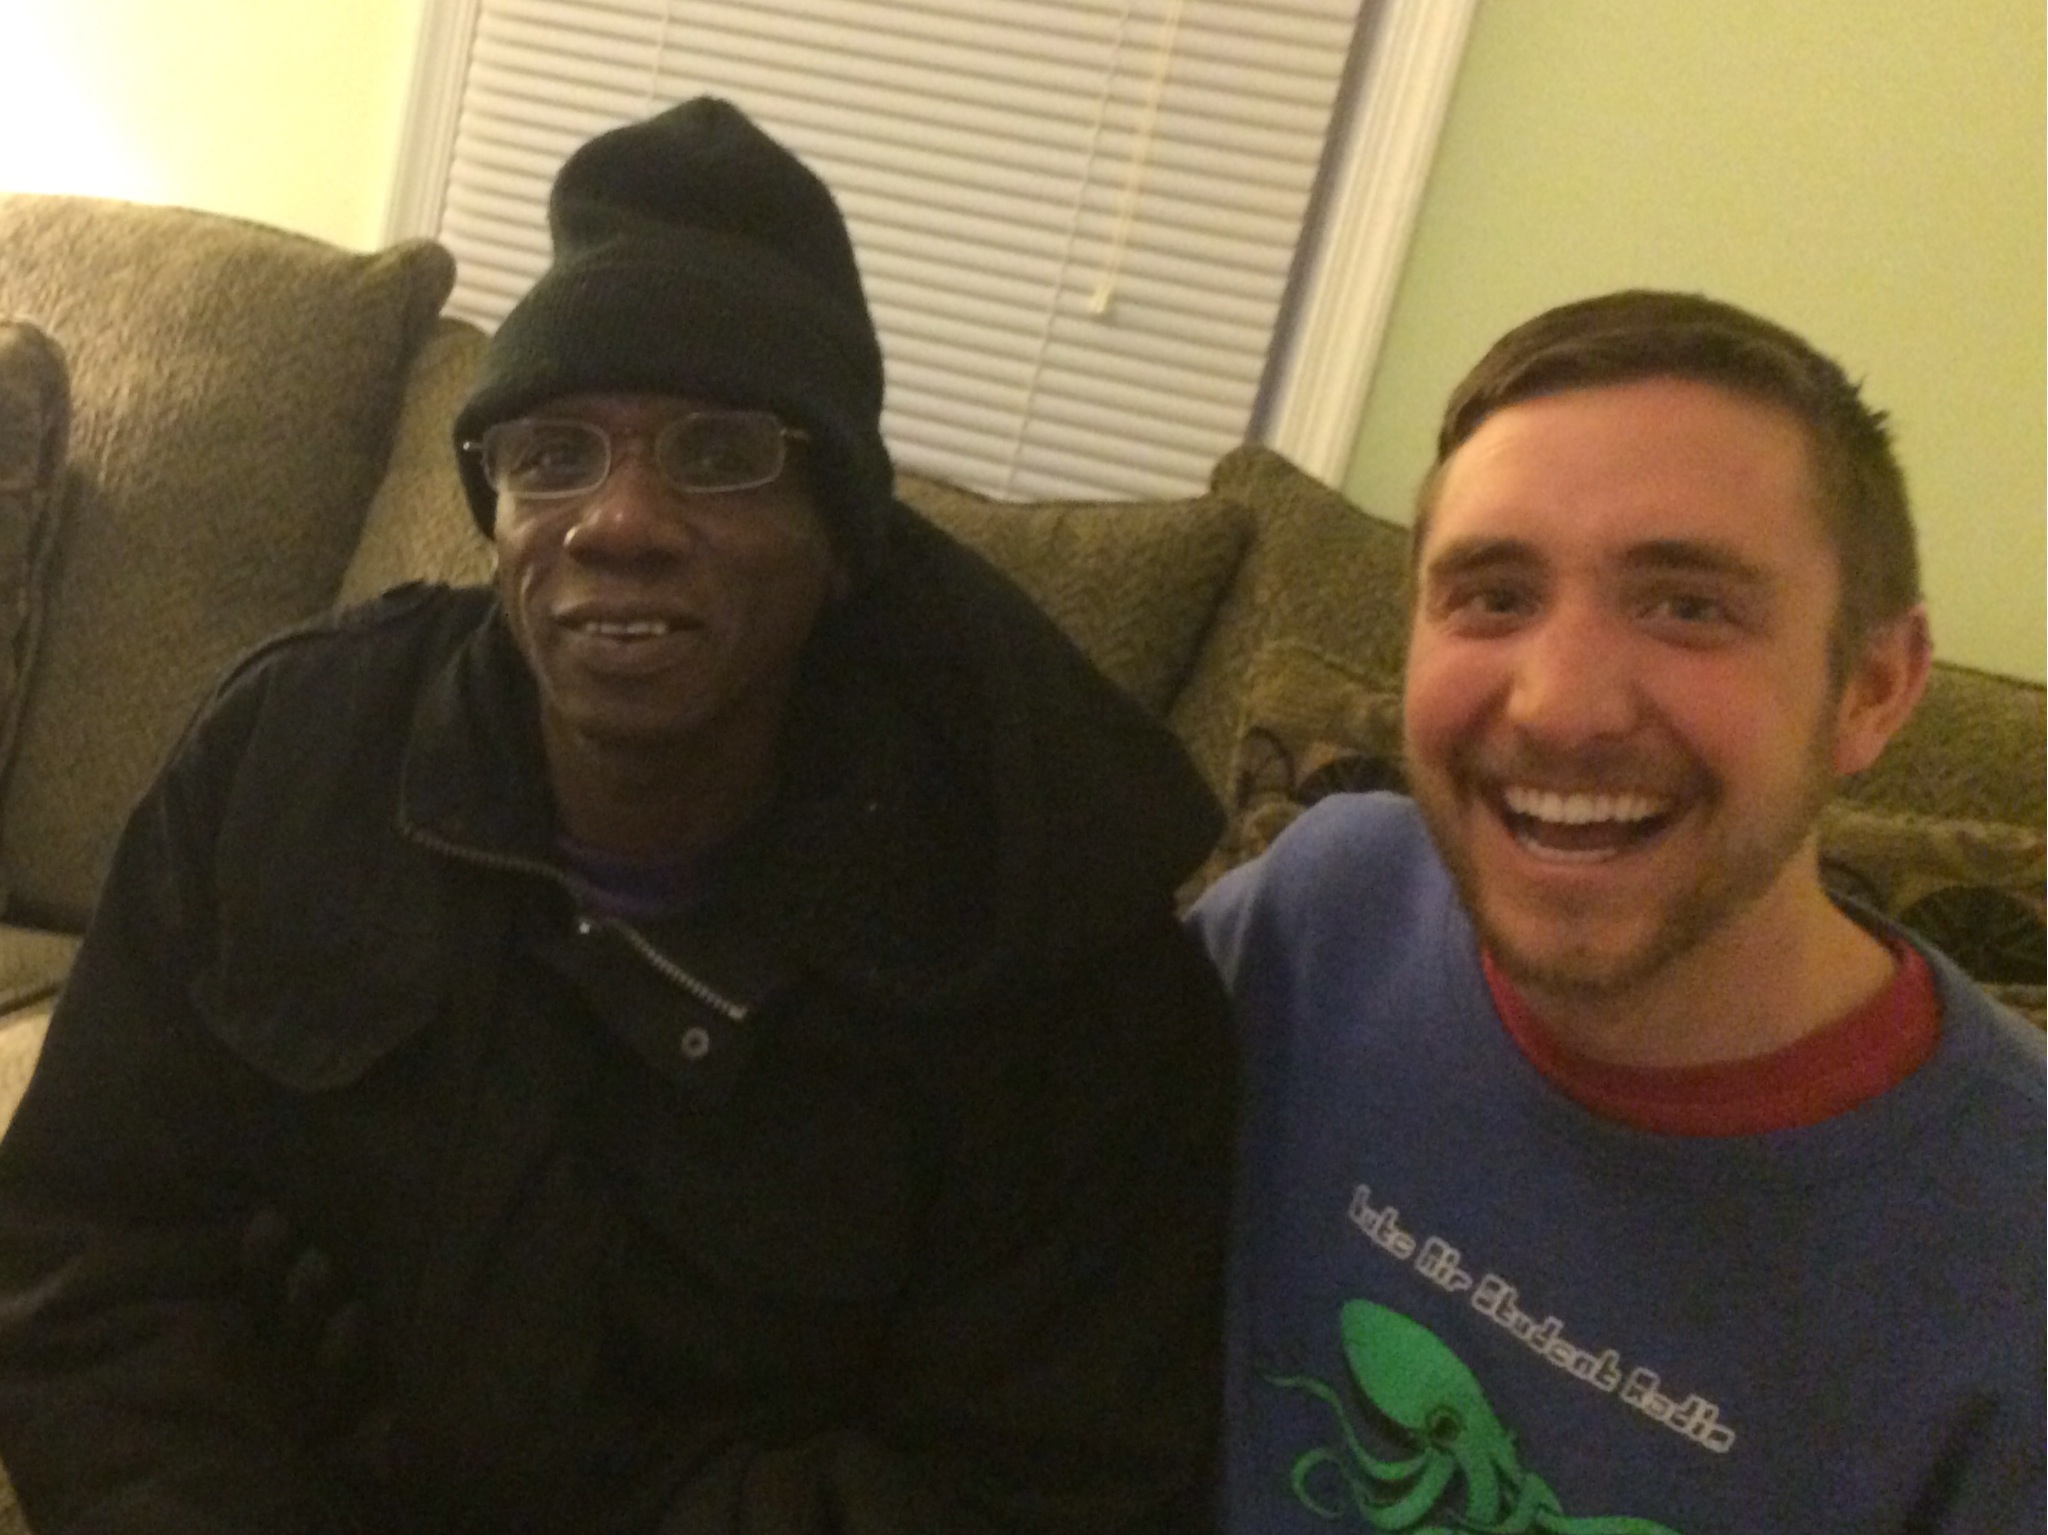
point(1602, 1172)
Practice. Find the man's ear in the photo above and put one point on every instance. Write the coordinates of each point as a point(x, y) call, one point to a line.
point(1886, 677)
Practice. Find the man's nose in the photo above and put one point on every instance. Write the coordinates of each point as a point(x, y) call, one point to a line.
point(630, 513)
point(1574, 678)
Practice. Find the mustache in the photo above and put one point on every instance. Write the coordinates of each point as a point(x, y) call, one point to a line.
point(1600, 767)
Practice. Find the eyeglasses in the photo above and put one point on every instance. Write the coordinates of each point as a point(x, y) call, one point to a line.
point(702, 453)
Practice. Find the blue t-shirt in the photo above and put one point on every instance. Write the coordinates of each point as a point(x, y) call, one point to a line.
point(1460, 1301)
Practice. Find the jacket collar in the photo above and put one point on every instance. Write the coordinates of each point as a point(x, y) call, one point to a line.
point(475, 780)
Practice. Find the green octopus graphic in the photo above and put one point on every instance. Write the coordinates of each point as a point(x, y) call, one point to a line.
point(1451, 1446)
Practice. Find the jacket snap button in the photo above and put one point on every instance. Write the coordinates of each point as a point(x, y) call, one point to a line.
point(585, 926)
point(696, 1044)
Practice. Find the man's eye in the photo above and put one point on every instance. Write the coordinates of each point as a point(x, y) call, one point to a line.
point(1689, 608)
point(1487, 605)
point(1499, 599)
point(714, 462)
point(1698, 619)
point(550, 456)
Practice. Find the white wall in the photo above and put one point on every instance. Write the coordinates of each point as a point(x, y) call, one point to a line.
point(282, 111)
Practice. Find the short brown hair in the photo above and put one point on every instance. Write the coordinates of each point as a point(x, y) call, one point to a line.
point(1636, 334)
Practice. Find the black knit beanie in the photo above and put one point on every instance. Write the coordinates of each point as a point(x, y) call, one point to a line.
point(693, 255)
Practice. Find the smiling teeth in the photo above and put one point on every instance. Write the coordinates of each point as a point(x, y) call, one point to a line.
point(639, 628)
point(1582, 809)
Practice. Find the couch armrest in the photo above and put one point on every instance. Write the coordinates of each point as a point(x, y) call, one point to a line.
point(21, 1041)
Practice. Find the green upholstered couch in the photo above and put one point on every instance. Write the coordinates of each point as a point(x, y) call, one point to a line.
point(258, 432)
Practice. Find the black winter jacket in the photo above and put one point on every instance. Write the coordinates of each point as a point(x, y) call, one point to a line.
point(368, 1183)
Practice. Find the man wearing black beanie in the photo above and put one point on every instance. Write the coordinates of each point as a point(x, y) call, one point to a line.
point(693, 1038)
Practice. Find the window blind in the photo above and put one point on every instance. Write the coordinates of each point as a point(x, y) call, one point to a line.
point(1076, 221)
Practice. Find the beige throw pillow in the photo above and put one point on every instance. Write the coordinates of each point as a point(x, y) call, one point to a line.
point(1134, 584)
point(234, 390)
point(1312, 725)
point(1973, 889)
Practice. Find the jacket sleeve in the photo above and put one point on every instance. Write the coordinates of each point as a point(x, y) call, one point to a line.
point(133, 1391)
point(1058, 1368)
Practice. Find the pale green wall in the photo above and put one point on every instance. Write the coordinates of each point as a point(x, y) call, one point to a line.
point(283, 111)
point(1868, 172)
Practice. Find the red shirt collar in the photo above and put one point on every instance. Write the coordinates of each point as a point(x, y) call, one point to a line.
point(1850, 1061)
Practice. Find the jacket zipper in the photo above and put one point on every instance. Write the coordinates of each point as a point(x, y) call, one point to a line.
point(660, 963)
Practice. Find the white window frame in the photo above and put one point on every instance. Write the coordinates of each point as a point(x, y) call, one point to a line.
point(1322, 367)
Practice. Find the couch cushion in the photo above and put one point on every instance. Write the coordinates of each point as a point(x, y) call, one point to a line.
point(419, 526)
point(1319, 571)
point(1312, 724)
point(1973, 889)
point(1977, 747)
point(33, 964)
point(234, 390)
point(35, 424)
point(21, 1042)
point(1133, 583)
